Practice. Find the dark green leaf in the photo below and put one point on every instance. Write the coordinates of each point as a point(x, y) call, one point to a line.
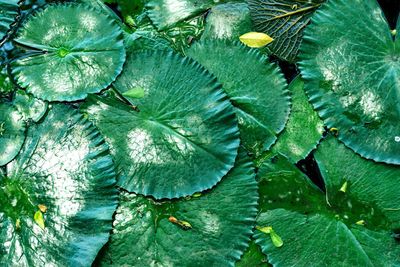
point(351, 67)
point(63, 171)
point(321, 230)
point(222, 220)
point(304, 128)
point(283, 20)
point(8, 12)
point(256, 88)
point(184, 138)
point(77, 50)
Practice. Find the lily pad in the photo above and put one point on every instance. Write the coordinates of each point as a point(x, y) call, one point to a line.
point(166, 13)
point(221, 219)
point(180, 138)
point(73, 50)
point(58, 196)
point(284, 21)
point(257, 90)
point(353, 227)
point(351, 67)
point(9, 10)
point(12, 132)
point(227, 21)
point(29, 106)
point(304, 128)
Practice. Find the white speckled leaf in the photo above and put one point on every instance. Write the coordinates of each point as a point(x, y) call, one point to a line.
point(76, 50)
point(256, 87)
point(222, 220)
point(351, 68)
point(12, 132)
point(183, 139)
point(65, 166)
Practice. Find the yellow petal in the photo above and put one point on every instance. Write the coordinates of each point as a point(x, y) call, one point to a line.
point(255, 39)
point(344, 187)
point(38, 217)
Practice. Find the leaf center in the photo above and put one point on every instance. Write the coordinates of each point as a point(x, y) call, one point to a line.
point(63, 52)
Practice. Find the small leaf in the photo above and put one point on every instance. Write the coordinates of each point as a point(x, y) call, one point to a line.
point(360, 222)
point(276, 239)
point(38, 217)
point(255, 39)
point(344, 187)
point(18, 224)
point(183, 224)
point(265, 230)
point(136, 92)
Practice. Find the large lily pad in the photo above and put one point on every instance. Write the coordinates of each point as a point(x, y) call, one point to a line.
point(76, 50)
point(58, 196)
point(351, 69)
point(283, 20)
point(8, 13)
point(257, 90)
point(12, 132)
point(221, 224)
point(304, 128)
point(353, 224)
point(183, 139)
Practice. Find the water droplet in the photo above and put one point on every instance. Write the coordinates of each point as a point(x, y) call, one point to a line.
point(397, 139)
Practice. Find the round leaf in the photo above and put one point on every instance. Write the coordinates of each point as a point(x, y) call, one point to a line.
point(180, 138)
point(256, 88)
point(76, 50)
point(8, 13)
point(351, 69)
point(12, 133)
point(354, 227)
point(58, 196)
point(222, 220)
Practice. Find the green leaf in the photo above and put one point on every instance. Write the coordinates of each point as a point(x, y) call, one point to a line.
point(39, 220)
point(284, 21)
point(164, 13)
point(313, 225)
point(6, 85)
point(9, 10)
point(76, 50)
point(64, 166)
point(184, 138)
point(304, 128)
point(256, 88)
point(30, 107)
point(351, 69)
point(12, 132)
point(222, 220)
point(253, 257)
point(227, 21)
point(136, 92)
